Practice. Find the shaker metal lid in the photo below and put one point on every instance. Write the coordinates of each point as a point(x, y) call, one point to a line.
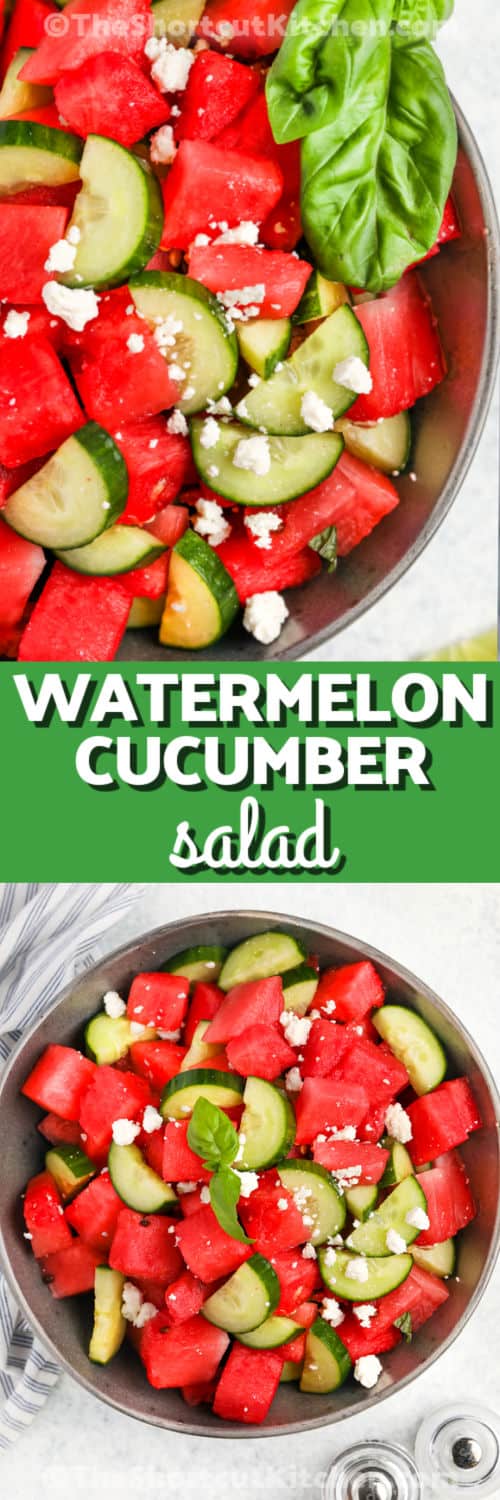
point(458, 1452)
point(373, 1471)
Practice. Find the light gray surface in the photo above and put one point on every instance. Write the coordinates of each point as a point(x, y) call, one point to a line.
point(449, 935)
point(450, 593)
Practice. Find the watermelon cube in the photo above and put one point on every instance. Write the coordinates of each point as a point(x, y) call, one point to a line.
point(76, 618)
point(208, 1251)
point(157, 464)
point(325, 1104)
point(145, 1246)
point(21, 564)
point(26, 235)
point(450, 1204)
point(248, 1384)
point(38, 407)
point(157, 1062)
point(261, 1051)
point(184, 1298)
point(118, 383)
point(324, 1049)
point(350, 992)
point(224, 268)
point(110, 95)
point(339, 1156)
point(112, 1095)
point(217, 90)
point(258, 1002)
point(180, 1163)
point(298, 1279)
point(184, 1355)
point(71, 1271)
point(203, 1007)
point(271, 1218)
point(59, 1081)
point(94, 1212)
point(230, 187)
point(158, 1000)
point(60, 1132)
point(441, 1120)
point(381, 1074)
point(46, 1227)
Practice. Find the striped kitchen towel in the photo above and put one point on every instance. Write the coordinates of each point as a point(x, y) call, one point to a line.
point(47, 934)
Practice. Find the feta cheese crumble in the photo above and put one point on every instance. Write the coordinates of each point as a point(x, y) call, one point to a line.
point(16, 324)
point(364, 1312)
point(246, 233)
point(186, 1187)
point(293, 1080)
point(243, 296)
point(177, 423)
point(114, 1005)
point(418, 1218)
point(171, 65)
point(315, 413)
point(296, 1028)
point(265, 614)
point(329, 1007)
point(134, 1309)
point(162, 146)
point(146, 1312)
point(398, 1124)
point(209, 435)
point(331, 1311)
point(248, 1182)
point(77, 306)
point(330, 1256)
point(367, 1371)
point(220, 408)
point(352, 373)
point(151, 1119)
point(124, 1132)
point(282, 1205)
point(135, 343)
point(205, 1193)
point(357, 1270)
point(211, 523)
point(395, 1242)
point(261, 527)
point(309, 1253)
point(61, 256)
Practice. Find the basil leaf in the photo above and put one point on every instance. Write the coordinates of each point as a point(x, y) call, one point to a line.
point(211, 1135)
point(224, 1194)
point(325, 544)
point(374, 184)
point(301, 84)
point(405, 1325)
point(421, 18)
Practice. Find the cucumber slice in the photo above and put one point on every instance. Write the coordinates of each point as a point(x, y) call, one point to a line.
point(70, 1168)
point(386, 445)
point(274, 1332)
point(75, 496)
point(200, 1051)
point(247, 1299)
point(109, 1324)
point(384, 1275)
point(297, 464)
point(201, 600)
point(291, 1371)
point(108, 1038)
point(261, 957)
point(361, 1201)
point(145, 613)
point(32, 154)
point(299, 988)
point(327, 1363)
point(15, 95)
point(267, 1128)
point(264, 342)
point(204, 345)
point(399, 1165)
point(371, 1237)
point(117, 550)
point(177, 19)
point(118, 212)
point(320, 299)
point(275, 406)
point(203, 962)
point(319, 1198)
point(136, 1183)
point(180, 1094)
point(439, 1259)
point(413, 1042)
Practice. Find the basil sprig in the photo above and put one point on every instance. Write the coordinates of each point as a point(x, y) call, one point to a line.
point(213, 1137)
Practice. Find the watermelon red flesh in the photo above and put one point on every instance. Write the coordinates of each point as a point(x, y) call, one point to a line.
point(71, 1271)
point(94, 1212)
point(450, 230)
point(26, 29)
point(450, 1204)
point(181, 1356)
point(59, 1081)
point(43, 1216)
point(26, 236)
point(326, 1103)
point(324, 1048)
point(184, 1298)
point(203, 1007)
point(158, 1000)
point(272, 1228)
point(248, 1384)
point(441, 1120)
point(361, 1342)
point(230, 188)
point(12, 479)
point(191, 1203)
point(110, 95)
point(380, 1073)
point(170, 524)
point(76, 619)
point(373, 1125)
point(433, 1292)
point(354, 498)
point(201, 1393)
point(157, 464)
point(116, 384)
point(282, 229)
point(294, 1351)
point(338, 1155)
point(112, 1095)
point(152, 1149)
point(21, 565)
point(38, 408)
point(225, 268)
point(206, 1248)
point(351, 992)
point(261, 1051)
point(406, 358)
point(258, 1002)
point(254, 571)
point(245, 31)
point(158, 1062)
point(152, 1291)
point(125, 24)
point(298, 1279)
point(217, 90)
point(40, 326)
point(145, 1247)
point(180, 1163)
point(60, 1132)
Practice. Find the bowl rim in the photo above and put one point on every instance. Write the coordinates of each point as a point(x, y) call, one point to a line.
point(378, 957)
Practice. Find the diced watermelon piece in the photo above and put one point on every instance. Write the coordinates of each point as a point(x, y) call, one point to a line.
point(258, 1002)
point(42, 114)
point(152, 1149)
point(158, 1000)
point(406, 357)
point(77, 618)
point(158, 1062)
point(418, 1292)
point(170, 524)
point(26, 236)
point(184, 1355)
point(145, 1246)
point(433, 1293)
point(251, 131)
point(38, 408)
point(21, 564)
point(59, 1132)
point(46, 1226)
point(354, 498)
point(199, 1394)
point(115, 383)
point(327, 1103)
point(272, 1228)
point(349, 993)
point(41, 325)
point(261, 1051)
point(245, 31)
point(298, 1279)
point(157, 464)
point(110, 95)
point(282, 229)
point(381, 1074)
point(230, 187)
point(125, 24)
point(152, 1291)
point(94, 1212)
point(191, 1202)
point(450, 230)
point(450, 1204)
point(338, 1155)
point(255, 572)
point(361, 1342)
point(27, 27)
point(203, 1007)
point(111, 1095)
point(206, 1248)
point(180, 1163)
point(71, 1271)
point(59, 1081)
point(373, 1126)
point(296, 1348)
point(441, 1120)
point(184, 1298)
point(217, 90)
point(225, 268)
point(324, 1048)
point(248, 1384)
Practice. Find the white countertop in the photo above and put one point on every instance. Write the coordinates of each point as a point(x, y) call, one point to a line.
point(450, 593)
point(450, 935)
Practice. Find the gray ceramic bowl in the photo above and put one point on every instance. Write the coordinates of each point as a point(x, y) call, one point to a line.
point(463, 284)
point(64, 1326)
